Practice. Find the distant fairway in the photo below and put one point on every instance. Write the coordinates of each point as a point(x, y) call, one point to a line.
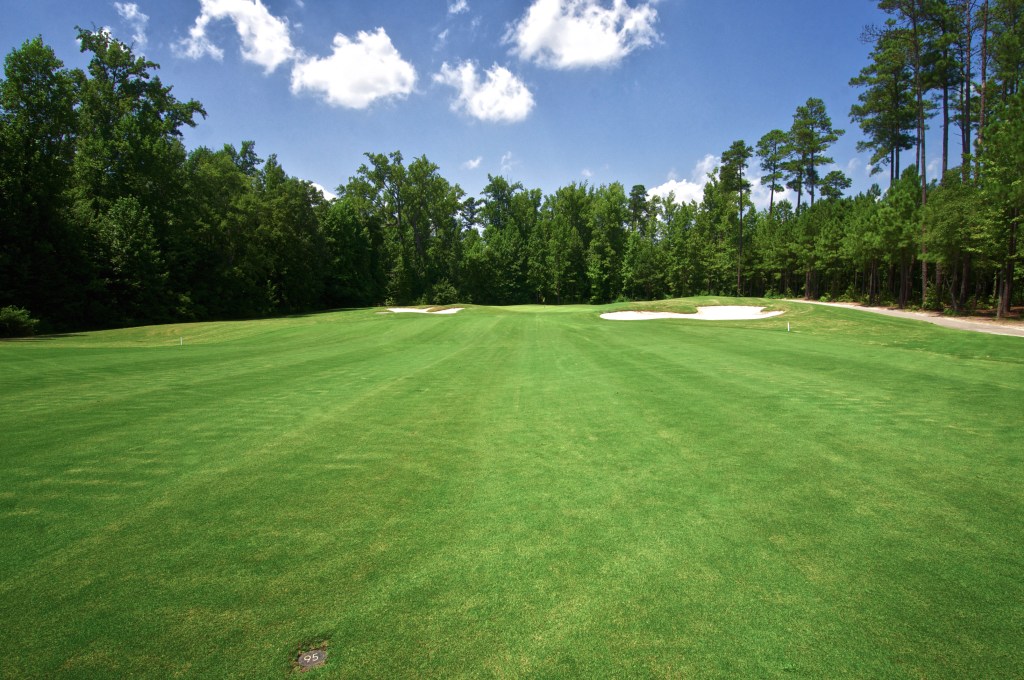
point(508, 492)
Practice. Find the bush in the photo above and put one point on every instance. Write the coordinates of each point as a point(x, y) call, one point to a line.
point(16, 322)
point(933, 299)
point(444, 293)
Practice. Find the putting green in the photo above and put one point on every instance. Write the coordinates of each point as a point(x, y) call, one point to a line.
point(515, 491)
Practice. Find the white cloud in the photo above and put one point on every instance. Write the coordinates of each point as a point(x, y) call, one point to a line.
point(265, 38)
point(507, 162)
point(499, 98)
point(358, 73)
point(130, 12)
point(587, 173)
point(327, 193)
point(761, 195)
point(473, 163)
point(692, 189)
point(458, 7)
point(683, 190)
point(565, 34)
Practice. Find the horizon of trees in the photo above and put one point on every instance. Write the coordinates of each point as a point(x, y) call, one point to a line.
point(106, 219)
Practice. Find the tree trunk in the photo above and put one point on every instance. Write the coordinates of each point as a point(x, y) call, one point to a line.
point(965, 94)
point(906, 282)
point(945, 128)
point(1006, 291)
point(984, 87)
point(922, 158)
point(963, 280)
point(873, 283)
point(924, 199)
point(810, 176)
point(953, 285)
point(739, 259)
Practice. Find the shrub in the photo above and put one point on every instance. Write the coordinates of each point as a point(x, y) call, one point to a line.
point(444, 293)
point(16, 322)
point(933, 299)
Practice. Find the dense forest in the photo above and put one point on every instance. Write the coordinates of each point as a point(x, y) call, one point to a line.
point(107, 219)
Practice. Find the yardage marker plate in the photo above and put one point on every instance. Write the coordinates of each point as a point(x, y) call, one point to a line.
point(312, 658)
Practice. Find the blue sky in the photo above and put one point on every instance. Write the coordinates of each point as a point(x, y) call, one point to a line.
point(546, 92)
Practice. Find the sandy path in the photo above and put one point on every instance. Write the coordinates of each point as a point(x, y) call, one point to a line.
point(977, 325)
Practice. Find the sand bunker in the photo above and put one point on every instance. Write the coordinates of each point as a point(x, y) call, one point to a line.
point(719, 313)
point(416, 310)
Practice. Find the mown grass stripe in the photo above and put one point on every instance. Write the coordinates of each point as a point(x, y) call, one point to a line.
point(516, 491)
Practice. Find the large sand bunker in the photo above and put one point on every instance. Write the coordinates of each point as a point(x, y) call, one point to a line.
point(718, 313)
point(417, 310)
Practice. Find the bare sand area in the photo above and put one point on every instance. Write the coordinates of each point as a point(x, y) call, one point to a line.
point(977, 324)
point(716, 313)
point(417, 310)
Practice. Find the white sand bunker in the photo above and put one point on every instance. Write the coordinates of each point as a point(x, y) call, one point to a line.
point(416, 310)
point(718, 313)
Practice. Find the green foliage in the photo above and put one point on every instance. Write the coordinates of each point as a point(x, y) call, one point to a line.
point(834, 184)
point(610, 212)
point(772, 150)
point(135, 273)
point(106, 220)
point(810, 137)
point(643, 269)
point(885, 111)
point(444, 293)
point(16, 322)
point(43, 263)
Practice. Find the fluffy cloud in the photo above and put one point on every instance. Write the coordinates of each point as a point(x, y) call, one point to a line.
point(692, 189)
point(130, 12)
point(500, 97)
point(324, 191)
point(565, 34)
point(458, 7)
point(265, 38)
point(760, 195)
point(473, 163)
point(358, 73)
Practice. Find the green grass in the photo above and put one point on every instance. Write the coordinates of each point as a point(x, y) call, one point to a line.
point(510, 492)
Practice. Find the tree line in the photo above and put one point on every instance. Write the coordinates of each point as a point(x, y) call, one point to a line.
point(107, 219)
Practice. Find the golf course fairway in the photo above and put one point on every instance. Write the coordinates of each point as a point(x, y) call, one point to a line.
point(513, 492)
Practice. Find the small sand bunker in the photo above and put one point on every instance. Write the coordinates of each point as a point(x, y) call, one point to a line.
point(718, 313)
point(416, 310)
